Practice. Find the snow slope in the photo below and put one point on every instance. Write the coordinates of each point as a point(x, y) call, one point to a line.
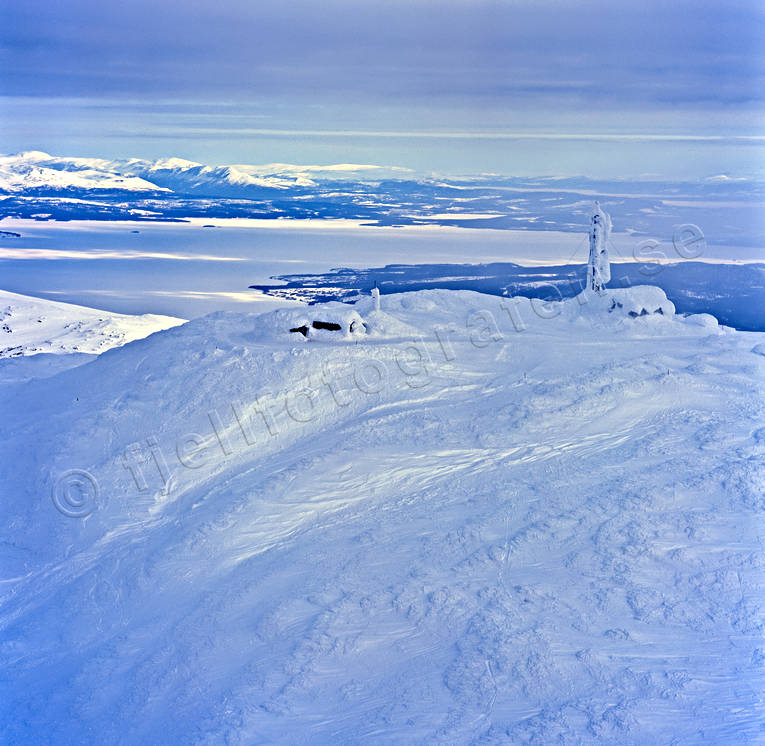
point(29, 326)
point(485, 522)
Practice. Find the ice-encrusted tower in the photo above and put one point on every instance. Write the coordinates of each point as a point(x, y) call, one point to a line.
point(598, 267)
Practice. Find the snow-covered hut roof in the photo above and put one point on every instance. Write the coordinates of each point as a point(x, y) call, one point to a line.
point(321, 321)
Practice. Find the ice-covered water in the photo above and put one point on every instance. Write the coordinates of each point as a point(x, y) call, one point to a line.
point(187, 270)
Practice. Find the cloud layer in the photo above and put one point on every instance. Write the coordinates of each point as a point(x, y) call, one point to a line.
point(204, 69)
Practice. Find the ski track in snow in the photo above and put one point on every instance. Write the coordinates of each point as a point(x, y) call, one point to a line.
point(552, 537)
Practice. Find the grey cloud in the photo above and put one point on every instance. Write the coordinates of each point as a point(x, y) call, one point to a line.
point(488, 52)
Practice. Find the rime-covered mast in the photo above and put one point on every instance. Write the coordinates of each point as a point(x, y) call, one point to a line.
point(598, 267)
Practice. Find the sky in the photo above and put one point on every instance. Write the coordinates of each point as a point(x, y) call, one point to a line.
point(630, 88)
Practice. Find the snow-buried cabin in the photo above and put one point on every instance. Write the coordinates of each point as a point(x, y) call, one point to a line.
point(329, 323)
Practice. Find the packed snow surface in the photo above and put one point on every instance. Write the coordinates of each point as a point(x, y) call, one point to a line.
point(29, 326)
point(485, 521)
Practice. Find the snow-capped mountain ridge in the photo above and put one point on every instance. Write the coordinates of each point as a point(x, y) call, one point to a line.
point(36, 170)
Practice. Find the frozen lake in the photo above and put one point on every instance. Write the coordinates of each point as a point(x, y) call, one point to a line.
point(188, 270)
point(185, 269)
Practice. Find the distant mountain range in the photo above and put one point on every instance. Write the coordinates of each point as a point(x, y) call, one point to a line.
point(40, 186)
point(34, 170)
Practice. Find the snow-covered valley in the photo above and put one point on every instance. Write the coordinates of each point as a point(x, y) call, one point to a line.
point(485, 520)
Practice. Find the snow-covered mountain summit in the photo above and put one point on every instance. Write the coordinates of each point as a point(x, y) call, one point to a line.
point(482, 520)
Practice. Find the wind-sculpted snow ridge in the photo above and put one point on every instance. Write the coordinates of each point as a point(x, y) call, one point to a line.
point(30, 326)
point(484, 520)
